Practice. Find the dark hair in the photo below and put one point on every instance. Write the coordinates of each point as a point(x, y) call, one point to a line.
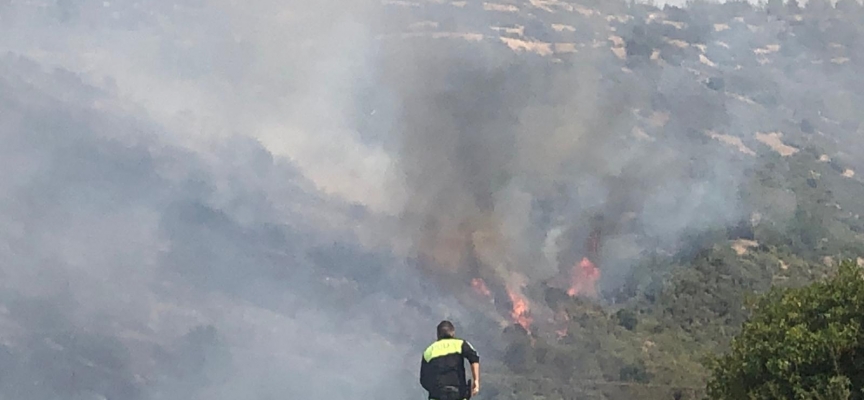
point(446, 330)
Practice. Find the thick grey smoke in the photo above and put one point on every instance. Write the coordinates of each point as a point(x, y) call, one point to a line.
point(136, 269)
point(519, 159)
point(171, 221)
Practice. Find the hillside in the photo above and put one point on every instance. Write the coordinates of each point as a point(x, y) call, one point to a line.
point(751, 82)
point(281, 199)
point(774, 88)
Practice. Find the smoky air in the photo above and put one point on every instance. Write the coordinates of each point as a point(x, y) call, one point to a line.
point(280, 199)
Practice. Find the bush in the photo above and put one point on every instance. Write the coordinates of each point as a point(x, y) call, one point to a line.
point(627, 319)
point(634, 373)
point(800, 343)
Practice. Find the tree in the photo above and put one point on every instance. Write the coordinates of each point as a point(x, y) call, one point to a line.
point(799, 343)
point(627, 319)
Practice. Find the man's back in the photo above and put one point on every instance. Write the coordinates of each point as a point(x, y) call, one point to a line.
point(443, 366)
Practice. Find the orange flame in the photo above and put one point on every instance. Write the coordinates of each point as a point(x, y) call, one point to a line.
point(583, 279)
point(520, 312)
point(480, 287)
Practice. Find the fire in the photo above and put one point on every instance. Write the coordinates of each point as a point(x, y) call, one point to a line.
point(480, 287)
point(583, 279)
point(520, 312)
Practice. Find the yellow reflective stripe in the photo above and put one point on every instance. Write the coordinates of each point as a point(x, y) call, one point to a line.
point(442, 348)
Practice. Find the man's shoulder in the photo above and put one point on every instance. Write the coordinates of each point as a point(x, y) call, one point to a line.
point(446, 342)
point(470, 347)
point(452, 342)
point(443, 347)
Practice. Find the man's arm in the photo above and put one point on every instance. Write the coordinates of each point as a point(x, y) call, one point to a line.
point(475, 372)
point(473, 358)
point(425, 375)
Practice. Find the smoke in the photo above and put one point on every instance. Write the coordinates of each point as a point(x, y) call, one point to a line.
point(184, 213)
point(136, 269)
point(506, 154)
point(222, 200)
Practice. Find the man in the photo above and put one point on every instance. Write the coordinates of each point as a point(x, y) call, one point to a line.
point(442, 370)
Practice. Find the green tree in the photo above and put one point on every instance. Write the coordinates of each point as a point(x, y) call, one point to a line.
point(799, 343)
point(627, 319)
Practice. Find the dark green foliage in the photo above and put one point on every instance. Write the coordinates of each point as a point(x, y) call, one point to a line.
point(716, 83)
point(800, 343)
point(627, 319)
point(639, 44)
point(634, 373)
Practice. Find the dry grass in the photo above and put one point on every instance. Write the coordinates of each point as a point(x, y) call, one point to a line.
point(678, 43)
point(565, 47)
point(519, 30)
point(400, 3)
point(732, 141)
point(584, 11)
point(773, 140)
point(617, 41)
point(500, 7)
point(742, 246)
point(769, 49)
point(541, 48)
point(676, 24)
point(706, 61)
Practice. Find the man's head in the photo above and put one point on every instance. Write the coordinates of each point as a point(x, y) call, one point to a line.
point(446, 330)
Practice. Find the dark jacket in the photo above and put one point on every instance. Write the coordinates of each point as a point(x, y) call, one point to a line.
point(443, 365)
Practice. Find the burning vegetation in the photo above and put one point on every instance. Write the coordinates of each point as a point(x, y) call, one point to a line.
point(480, 287)
point(583, 279)
point(479, 258)
point(521, 312)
